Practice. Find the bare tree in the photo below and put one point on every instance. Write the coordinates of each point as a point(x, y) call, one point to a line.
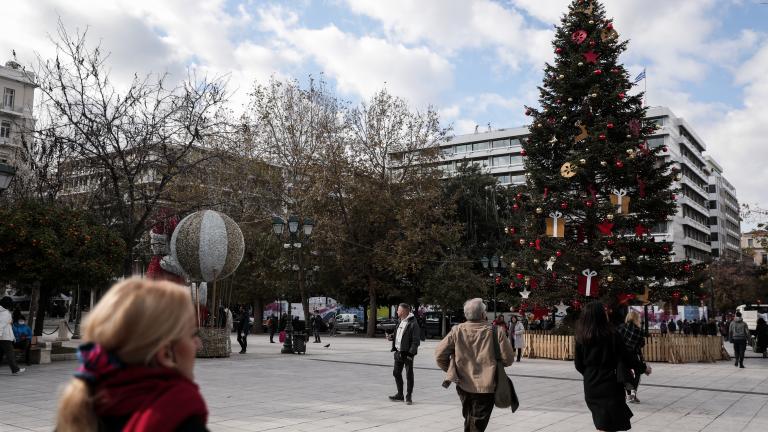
point(129, 145)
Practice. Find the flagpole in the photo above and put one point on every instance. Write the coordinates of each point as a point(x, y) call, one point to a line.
point(645, 81)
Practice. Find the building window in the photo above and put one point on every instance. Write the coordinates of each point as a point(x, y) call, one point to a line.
point(655, 142)
point(765, 259)
point(501, 160)
point(447, 151)
point(518, 179)
point(713, 220)
point(480, 146)
point(713, 236)
point(503, 143)
point(715, 253)
point(8, 97)
point(712, 188)
point(464, 148)
point(712, 204)
point(750, 243)
point(5, 129)
point(503, 179)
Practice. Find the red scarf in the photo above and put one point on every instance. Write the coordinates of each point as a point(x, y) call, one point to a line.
point(153, 399)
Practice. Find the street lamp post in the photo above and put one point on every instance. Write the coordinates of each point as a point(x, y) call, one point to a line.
point(493, 262)
point(76, 333)
point(298, 235)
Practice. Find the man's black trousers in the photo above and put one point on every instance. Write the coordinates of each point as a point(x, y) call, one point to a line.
point(402, 360)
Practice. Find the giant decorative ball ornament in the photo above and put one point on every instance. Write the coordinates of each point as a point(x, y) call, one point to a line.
point(209, 245)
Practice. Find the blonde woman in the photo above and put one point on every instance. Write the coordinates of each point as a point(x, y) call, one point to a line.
point(634, 340)
point(136, 371)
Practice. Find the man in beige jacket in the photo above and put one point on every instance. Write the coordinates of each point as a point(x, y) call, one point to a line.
point(467, 354)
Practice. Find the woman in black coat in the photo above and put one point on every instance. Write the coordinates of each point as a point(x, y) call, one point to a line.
point(598, 350)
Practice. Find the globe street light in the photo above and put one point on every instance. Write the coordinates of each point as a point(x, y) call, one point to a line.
point(298, 235)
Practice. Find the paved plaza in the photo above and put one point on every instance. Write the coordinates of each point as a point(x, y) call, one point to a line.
point(345, 388)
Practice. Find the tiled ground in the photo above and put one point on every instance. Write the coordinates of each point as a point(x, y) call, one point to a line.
point(345, 388)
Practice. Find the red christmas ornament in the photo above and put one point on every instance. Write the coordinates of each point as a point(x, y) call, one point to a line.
point(515, 206)
point(590, 203)
point(665, 248)
point(520, 276)
point(674, 197)
point(540, 312)
point(615, 70)
point(563, 205)
point(598, 72)
point(676, 295)
point(512, 230)
point(558, 50)
point(523, 152)
point(687, 267)
point(611, 242)
point(619, 164)
point(665, 149)
point(609, 125)
point(551, 120)
point(579, 36)
point(576, 304)
point(601, 137)
point(609, 25)
point(591, 43)
point(519, 196)
point(605, 227)
point(621, 95)
point(641, 230)
point(558, 253)
point(591, 56)
point(546, 192)
point(624, 298)
point(498, 280)
point(528, 112)
point(558, 101)
point(531, 244)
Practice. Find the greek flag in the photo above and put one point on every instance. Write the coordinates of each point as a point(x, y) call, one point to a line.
point(639, 77)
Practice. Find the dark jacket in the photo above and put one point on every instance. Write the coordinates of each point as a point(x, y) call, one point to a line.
point(602, 392)
point(411, 339)
point(633, 337)
point(244, 323)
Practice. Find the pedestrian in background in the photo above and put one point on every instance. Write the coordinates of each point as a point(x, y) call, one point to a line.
point(317, 325)
point(6, 335)
point(672, 327)
point(23, 337)
point(243, 328)
point(467, 354)
point(136, 368)
point(405, 345)
point(599, 349)
point(634, 341)
point(761, 333)
point(738, 333)
point(663, 328)
point(517, 336)
point(332, 326)
point(272, 324)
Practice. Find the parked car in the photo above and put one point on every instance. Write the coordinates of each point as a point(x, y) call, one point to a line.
point(386, 325)
point(348, 322)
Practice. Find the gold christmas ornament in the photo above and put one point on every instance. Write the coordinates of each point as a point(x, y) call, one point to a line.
point(610, 216)
point(539, 210)
point(573, 268)
point(581, 63)
point(582, 161)
point(623, 259)
point(609, 278)
point(568, 170)
point(603, 163)
point(522, 242)
point(513, 264)
point(608, 34)
point(535, 260)
point(594, 95)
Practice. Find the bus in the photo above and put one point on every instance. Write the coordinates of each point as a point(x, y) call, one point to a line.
point(751, 312)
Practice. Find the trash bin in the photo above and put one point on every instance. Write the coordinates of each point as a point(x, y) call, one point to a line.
point(299, 343)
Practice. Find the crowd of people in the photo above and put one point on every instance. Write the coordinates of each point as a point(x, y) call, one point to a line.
point(136, 370)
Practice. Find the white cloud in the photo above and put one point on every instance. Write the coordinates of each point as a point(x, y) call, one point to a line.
point(362, 65)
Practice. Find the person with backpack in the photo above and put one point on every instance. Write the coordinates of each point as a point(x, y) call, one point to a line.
point(738, 334)
point(243, 328)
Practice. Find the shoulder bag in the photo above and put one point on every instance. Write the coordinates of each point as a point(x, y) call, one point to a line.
point(504, 396)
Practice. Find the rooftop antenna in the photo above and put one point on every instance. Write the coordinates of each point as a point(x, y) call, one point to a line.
point(489, 126)
point(476, 126)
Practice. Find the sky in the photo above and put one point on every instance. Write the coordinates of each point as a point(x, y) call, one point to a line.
point(476, 61)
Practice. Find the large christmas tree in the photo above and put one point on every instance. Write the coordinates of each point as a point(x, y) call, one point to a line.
point(581, 228)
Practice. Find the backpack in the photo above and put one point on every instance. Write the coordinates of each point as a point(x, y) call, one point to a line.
point(739, 330)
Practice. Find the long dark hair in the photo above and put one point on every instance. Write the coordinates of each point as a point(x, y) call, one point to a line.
point(593, 324)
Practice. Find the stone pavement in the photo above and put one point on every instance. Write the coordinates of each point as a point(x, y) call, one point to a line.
point(345, 388)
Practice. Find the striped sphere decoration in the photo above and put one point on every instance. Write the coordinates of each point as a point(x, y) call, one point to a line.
point(208, 245)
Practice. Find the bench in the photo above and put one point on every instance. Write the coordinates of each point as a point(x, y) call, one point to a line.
point(38, 354)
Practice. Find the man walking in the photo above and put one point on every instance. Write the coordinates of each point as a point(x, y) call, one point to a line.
point(467, 354)
point(738, 333)
point(243, 328)
point(317, 325)
point(6, 335)
point(272, 323)
point(405, 344)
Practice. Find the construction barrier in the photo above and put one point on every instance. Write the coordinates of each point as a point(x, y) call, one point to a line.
point(658, 348)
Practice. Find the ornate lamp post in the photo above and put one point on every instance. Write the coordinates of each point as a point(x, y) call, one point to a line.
point(298, 236)
point(493, 262)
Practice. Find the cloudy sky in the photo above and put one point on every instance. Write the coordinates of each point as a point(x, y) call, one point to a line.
point(477, 61)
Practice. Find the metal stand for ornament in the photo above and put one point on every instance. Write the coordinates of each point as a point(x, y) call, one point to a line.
point(215, 340)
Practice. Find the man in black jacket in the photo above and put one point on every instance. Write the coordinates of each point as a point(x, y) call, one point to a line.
point(405, 344)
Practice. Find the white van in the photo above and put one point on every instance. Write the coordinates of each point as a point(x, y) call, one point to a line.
point(751, 312)
point(348, 322)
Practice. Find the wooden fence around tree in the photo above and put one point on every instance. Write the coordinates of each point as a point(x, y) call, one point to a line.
point(658, 348)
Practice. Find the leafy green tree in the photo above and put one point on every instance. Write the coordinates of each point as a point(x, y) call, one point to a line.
point(47, 246)
point(596, 189)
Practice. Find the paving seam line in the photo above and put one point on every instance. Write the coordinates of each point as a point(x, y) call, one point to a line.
point(554, 378)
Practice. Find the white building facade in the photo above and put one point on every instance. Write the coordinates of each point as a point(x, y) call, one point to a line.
point(499, 153)
point(724, 219)
point(17, 90)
